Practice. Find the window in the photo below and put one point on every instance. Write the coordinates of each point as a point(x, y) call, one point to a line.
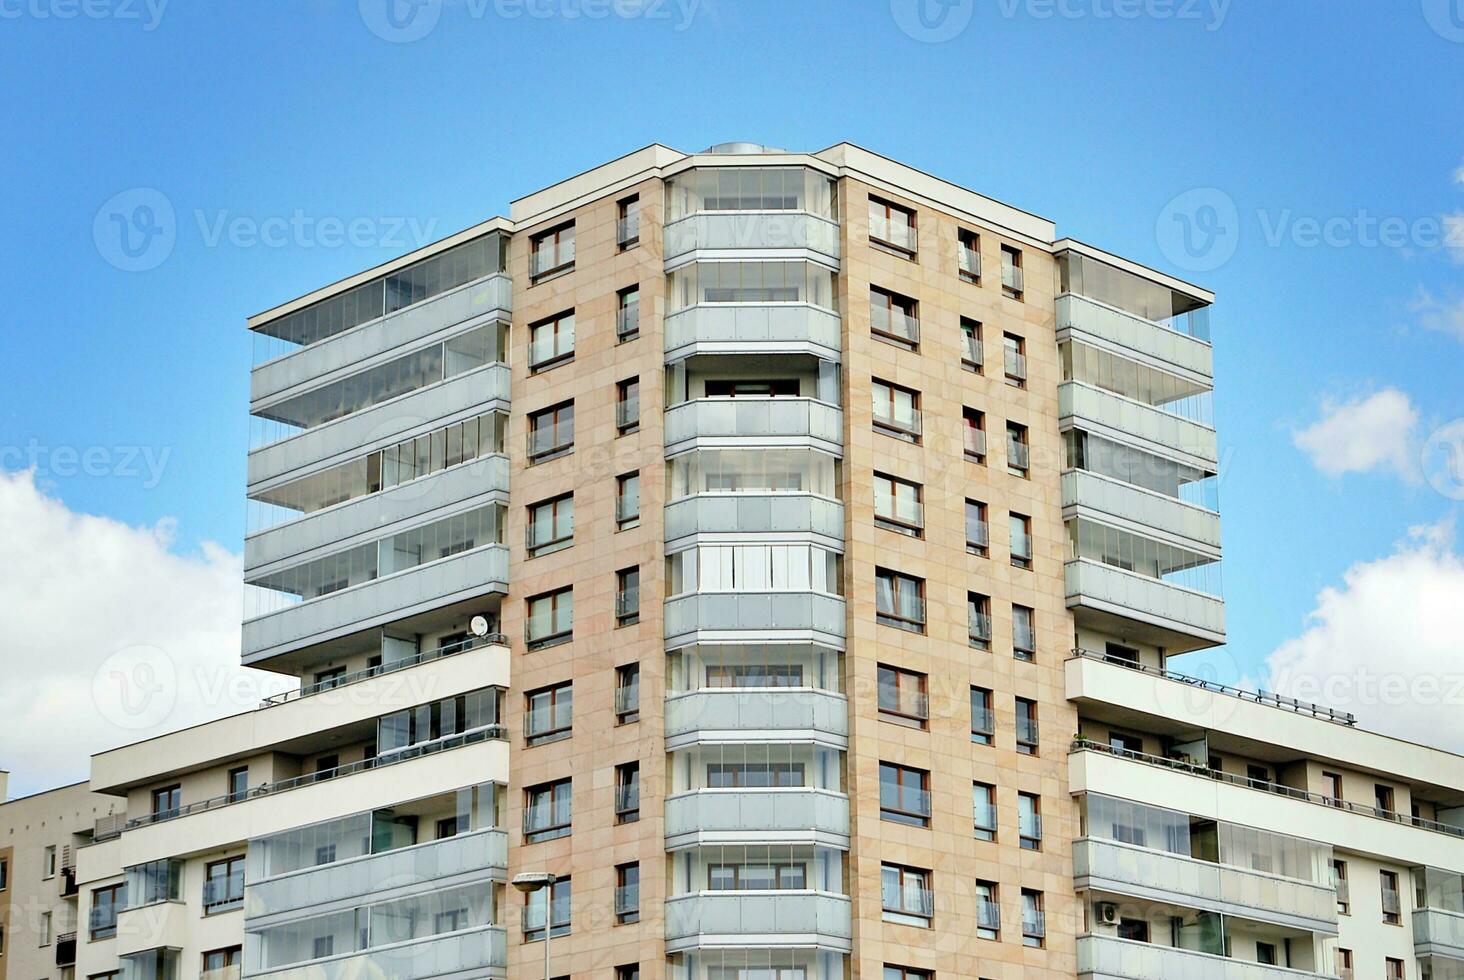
point(983, 717)
point(627, 792)
point(898, 505)
point(1134, 930)
point(552, 252)
point(551, 618)
point(627, 222)
point(905, 895)
point(1266, 953)
point(892, 226)
point(1029, 821)
point(1014, 359)
point(627, 314)
point(167, 801)
point(978, 532)
point(4, 874)
point(751, 387)
point(1334, 787)
point(627, 597)
point(1344, 963)
point(757, 876)
point(1012, 285)
point(1034, 920)
point(904, 973)
point(1116, 653)
point(973, 356)
point(983, 806)
point(627, 501)
point(1392, 905)
point(627, 893)
point(549, 714)
point(904, 795)
point(903, 697)
point(754, 775)
point(1024, 633)
point(988, 910)
point(1027, 726)
point(630, 971)
point(223, 885)
point(238, 784)
point(973, 434)
point(1383, 801)
point(1344, 891)
point(968, 250)
point(896, 410)
point(1021, 538)
point(978, 620)
point(627, 406)
point(899, 600)
point(223, 962)
point(1394, 969)
point(105, 904)
point(43, 929)
point(551, 432)
point(1124, 743)
point(476, 711)
point(894, 318)
point(551, 903)
point(551, 342)
point(551, 525)
point(547, 811)
point(1019, 454)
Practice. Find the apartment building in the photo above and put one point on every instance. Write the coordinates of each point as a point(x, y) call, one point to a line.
point(752, 565)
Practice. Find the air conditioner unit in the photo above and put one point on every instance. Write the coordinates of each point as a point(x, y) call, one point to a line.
point(1107, 913)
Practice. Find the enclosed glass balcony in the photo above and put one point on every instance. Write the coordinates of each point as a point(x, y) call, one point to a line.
point(1112, 958)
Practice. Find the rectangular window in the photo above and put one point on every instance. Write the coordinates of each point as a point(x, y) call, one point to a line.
point(906, 896)
point(1014, 359)
point(983, 717)
point(4, 874)
point(755, 775)
point(899, 600)
point(551, 525)
point(1024, 633)
point(627, 694)
point(552, 252)
point(48, 861)
point(627, 314)
point(1333, 781)
point(978, 620)
point(551, 904)
point(551, 432)
point(892, 226)
point(968, 249)
point(1019, 454)
point(1344, 890)
point(978, 532)
point(1029, 821)
point(547, 811)
point(219, 964)
point(898, 505)
point(983, 806)
point(896, 410)
point(627, 893)
point(627, 406)
point(1012, 285)
point(1394, 969)
point(627, 792)
point(1021, 539)
point(105, 904)
point(551, 342)
point(973, 434)
point(894, 318)
point(1392, 901)
point(223, 885)
point(1344, 963)
point(630, 971)
point(904, 973)
point(43, 929)
point(1266, 953)
point(988, 910)
point(549, 714)
point(904, 795)
point(238, 784)
point(550, 618)
point(1027, 730)
point(973, 355)
point(1034, 919)
point(627, 222)
point(903, 697)
point(166, 802)
point(1383, 801)
point(627, 596)
point(627, 501)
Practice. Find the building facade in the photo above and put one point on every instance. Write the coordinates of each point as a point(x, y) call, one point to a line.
point(628, 542)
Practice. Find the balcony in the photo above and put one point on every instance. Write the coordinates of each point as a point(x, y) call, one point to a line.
point(755, 421)
point(757, 715)
point(766, 920)
point(710, 616)
point(1182, 619)
point(487, 298)
point(439, 583)
point(66, 949)
point(1107, 958)
point(383, 424)
point(1105, 413)
point(1159, 877)
point(743, 328)
point(748, 513)
point(753, 816)
point(752, 232)
point(1080, 315)
point(1141, 511)
point(1440, 934)
point(482, 853)
point(480, 952)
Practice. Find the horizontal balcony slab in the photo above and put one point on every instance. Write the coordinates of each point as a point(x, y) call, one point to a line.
point(159, 925)
point(755, 422)
point(765, 920)
point(481, 571)
point(459, 956)
point(709, 616)
point(1125, 420)
point(752, 232)
point(758, 715)
point(1156, 876)
point(751, 816)
point(1106, 958)
point(372, 514)
point(1143, 512)
point(1439, 933)
point(354, 435)
point(1134, 335)
point(470, 304)
point(755, 513)
point(1181, 618)
point(754, 328)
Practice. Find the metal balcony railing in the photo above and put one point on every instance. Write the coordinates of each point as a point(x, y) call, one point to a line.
point(356, 677)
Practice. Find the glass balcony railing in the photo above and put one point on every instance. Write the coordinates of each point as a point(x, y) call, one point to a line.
point(627, 413)
point(627, 321)
point(627, 230)
point(975, 442)
point(972, 351)
point(552, 258)
point(896, 233)
point(1012, 278)
point(970, 262)
point(1014, 364)
point(895, 323)
point(1019, 455)
point(988, 915)
point(978, 627)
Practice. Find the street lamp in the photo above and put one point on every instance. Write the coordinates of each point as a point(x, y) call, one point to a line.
point(530, 882)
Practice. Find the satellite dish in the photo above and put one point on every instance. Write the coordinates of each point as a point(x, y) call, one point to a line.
point(479, 625)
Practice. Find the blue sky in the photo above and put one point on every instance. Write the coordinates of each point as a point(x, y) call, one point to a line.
point(234, 114)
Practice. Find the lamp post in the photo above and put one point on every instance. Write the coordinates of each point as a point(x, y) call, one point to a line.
point(530, 882)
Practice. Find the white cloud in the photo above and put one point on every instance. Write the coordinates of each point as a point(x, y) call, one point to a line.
point(109, 636)
point(1385, 644)
point(1370, 433)
point(1442, 316)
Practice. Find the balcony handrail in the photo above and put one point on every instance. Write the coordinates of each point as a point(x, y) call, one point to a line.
point(1168, 323)
point(356, 677)
point(1258, 696)
point(488, 733)
point(627, 229)
point(1127, 487)
point(974, 441)
point(1159, 409)
point(1186, 953)
point(978, 626)
point(627, 319)
point(969, 260)
point(1082, 744)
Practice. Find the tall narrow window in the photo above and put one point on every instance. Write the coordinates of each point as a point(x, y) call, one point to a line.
point(1014, 359)
point(968, 249)
point(627, 501)
point(627, 694)
point(627, 596)
point(1024, 633)
point(627, 893)
point(1392, 901)
point(1019, 453)
point(547, 811)
point(1012, 284)
point(627, 314)
point(973, 434)
point(552, 252)
point(551, 432)
point(983, 717)
point(1029, 821)
point(978, 620)
point(898, 505)
point(549, 906)
point(1021, 539)
point(551, 342)
point(899, 600)
point(906, 895)
point(627, 406)
point(223, 885)
point(988, 910)
point(973, 355)
point(1034, 919)
point(627, 792)
point(983, 802)
point(627, 222)
point(1027, 726)
point(896, 410)
point(978, 532)
point(1342, 887)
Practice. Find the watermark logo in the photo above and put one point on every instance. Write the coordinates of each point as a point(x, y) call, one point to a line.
point(145, 463)
point(136, 229)
point(400, 21)
point(932, 21)
point(1443, 459)
point(136, 688)
point(1199, 230)
point(148, 13)
point(404, 21)
point(1446, 17)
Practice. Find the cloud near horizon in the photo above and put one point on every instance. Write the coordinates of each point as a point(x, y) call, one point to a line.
point(1375, 432)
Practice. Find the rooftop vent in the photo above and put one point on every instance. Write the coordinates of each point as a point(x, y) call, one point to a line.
point(741, 147)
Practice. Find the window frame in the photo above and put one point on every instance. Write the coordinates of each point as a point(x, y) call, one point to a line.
point(900, 582)
point(556, 324)
point(561, 416)
point(536, 549)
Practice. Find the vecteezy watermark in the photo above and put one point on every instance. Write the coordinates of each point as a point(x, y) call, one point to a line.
point(147, 13)
point(1363, 688)
point(404, 21)
point(1446, 17)
point(136, 688)
point(1443, 459)
point(145, 463)
point(135, 230)
point(1199, 230)
point(932, 21)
